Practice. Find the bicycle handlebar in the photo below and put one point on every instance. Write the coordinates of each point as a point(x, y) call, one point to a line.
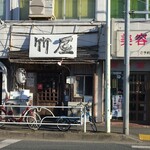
point(85, 105)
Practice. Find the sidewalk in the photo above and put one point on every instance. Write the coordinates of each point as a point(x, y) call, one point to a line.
point(77, 133)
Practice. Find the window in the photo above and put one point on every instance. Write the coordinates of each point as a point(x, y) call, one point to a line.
point(74, 9)
point(63, 9)
point(83, 86)
point(138, 5)
point(2, 10)
point(118, 7)
point(24, 9)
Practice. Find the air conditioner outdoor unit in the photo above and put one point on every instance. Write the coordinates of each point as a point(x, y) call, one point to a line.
point(41, 8)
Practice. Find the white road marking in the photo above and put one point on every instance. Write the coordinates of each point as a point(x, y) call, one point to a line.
point(7, 142)
point(140, 146)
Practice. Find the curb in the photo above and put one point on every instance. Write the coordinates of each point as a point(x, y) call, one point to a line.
point(67, 136)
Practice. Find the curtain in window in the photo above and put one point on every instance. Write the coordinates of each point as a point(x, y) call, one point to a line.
point(87, 8)
point(24, 9)
point(74, 9)
point(2, 6)
point(59, 11)
point(71, 9)
point(118, 7)
point(138, 5)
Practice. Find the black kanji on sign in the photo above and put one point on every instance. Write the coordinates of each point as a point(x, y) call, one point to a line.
point(42, 42)
point(64, 46)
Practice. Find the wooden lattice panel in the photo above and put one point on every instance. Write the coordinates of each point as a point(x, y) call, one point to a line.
point(50, 95)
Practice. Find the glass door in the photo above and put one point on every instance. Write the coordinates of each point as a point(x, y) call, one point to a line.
point(137, 97)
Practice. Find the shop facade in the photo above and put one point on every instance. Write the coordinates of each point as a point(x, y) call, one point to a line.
point(64, 54)
point(139, 68)
point(61, 66)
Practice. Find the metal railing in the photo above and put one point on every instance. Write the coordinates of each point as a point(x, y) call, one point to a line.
point(31, 116)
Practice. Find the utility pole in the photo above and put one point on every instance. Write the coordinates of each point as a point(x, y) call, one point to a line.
point(126, 69)
point(127, 61)
point(107, 70)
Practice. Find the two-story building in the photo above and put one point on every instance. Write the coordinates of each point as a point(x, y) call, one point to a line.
point(139, 57)
point(62, 45)
point(58, 44)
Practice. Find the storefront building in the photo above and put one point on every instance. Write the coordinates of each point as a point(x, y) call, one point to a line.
point(60, 67)
point(139, 67)
point(139, 61)
point(59, 49)
point(62, 47)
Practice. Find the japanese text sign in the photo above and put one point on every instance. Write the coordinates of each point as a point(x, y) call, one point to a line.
point(53, 46)
point(139, 43)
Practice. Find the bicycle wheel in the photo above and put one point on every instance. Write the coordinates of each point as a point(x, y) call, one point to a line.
point(63, 124)
point(2, 118)
point(92, 123)
point(33, 120)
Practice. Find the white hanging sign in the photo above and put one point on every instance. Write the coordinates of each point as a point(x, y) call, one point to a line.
point(53, 46)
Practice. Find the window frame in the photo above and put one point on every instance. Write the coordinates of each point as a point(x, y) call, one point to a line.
point(83, 86)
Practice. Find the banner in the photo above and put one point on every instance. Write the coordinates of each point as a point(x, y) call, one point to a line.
point(117, 105)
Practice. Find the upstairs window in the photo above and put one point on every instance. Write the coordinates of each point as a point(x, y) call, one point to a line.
point(2, 10)
point(74, 9)
point(24, 9)
point(118, 8)
point(63, 9)
point(138, 5)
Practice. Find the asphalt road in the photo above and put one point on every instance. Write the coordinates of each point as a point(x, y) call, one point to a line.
point(12, 144)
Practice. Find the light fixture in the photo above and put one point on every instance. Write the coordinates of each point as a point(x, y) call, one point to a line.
point(2, 22)
point(60, 62)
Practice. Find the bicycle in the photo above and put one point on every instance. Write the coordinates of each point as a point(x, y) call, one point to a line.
point(29, 115)
point(64, 123)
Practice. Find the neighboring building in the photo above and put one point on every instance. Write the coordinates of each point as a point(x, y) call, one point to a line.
point(62, 44)
point(139, 67)
point(139, 58)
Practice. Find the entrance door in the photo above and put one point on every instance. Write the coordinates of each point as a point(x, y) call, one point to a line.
point(48, 91)
point(137, 97)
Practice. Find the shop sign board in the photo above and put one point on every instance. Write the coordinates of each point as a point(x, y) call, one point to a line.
point(62, 45)
point(139, 43)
